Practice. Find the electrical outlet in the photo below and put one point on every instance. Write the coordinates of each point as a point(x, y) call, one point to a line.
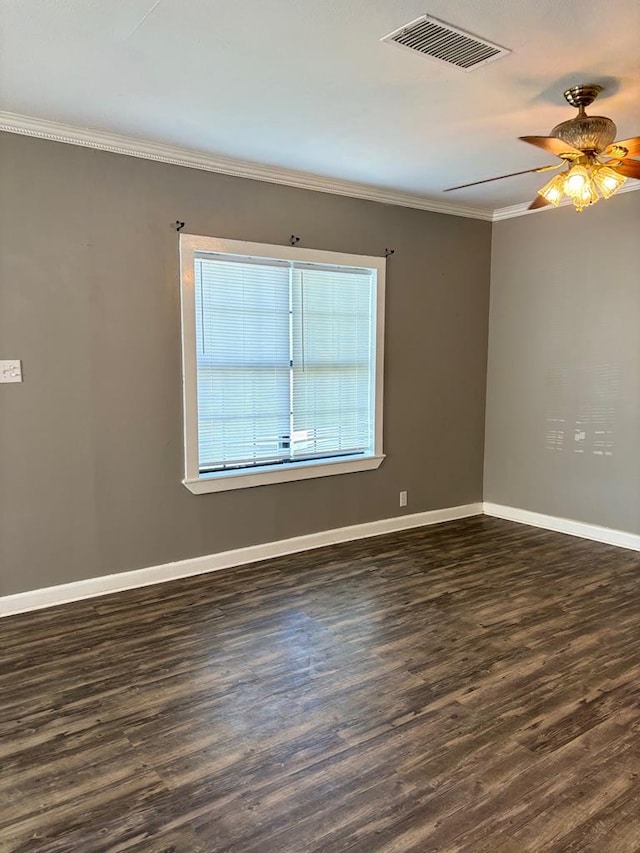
point(10, 371)
point(403, 498)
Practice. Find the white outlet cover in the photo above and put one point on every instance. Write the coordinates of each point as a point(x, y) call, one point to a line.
point(10, 370)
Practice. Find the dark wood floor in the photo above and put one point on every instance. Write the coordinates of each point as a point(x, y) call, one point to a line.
point(468, 687)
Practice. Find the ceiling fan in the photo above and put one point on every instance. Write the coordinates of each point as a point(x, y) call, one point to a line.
point(596, 165)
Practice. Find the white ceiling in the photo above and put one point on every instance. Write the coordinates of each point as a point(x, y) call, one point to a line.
point(307, 84)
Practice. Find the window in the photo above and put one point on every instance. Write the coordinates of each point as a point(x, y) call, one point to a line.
point(282, 363)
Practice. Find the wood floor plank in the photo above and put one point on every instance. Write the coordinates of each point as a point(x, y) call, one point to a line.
point(467, 688)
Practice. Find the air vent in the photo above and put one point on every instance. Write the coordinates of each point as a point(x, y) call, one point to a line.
point(445, 43)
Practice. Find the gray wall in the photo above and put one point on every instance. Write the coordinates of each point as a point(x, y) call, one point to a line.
point(91, 443)
point(564, 364)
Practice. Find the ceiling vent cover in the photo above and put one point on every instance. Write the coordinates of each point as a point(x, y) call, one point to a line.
point(445, 43)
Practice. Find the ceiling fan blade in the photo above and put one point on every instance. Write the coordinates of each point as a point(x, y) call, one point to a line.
point(624, 148)
point(554, 146)
point(629, 168)
point(500, 177)
point(538, 202)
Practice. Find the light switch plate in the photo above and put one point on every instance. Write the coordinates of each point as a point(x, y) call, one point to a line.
point(11, 370)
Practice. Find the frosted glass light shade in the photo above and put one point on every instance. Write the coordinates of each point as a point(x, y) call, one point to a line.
point(607, 180)
point(553, 190)
point(577, 178)
point(586, 196)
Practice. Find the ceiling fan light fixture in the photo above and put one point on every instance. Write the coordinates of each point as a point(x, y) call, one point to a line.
point(581, 183)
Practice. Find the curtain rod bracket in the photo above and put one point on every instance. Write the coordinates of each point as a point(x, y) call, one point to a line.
point(293, 240)
point(388, 252)
point(179, 225)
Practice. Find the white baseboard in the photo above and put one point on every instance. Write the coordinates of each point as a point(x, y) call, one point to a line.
point(36, 599)
point(565, 525)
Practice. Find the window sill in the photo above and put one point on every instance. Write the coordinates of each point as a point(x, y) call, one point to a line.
point(224, 482)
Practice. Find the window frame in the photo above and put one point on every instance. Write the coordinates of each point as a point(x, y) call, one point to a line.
point(220, 481)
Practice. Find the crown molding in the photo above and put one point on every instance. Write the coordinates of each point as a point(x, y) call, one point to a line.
point(523, 209)
point(176, 155)
point(192, 159)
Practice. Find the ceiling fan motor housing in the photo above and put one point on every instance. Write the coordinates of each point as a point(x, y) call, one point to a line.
point(588, 133)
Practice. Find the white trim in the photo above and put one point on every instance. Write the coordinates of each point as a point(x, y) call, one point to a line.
point(228, 480)
point(609, 535)
point(63, 594)
point(191, 243)
point(523, 209)
point(179, 156)
point(37, 599)
point(197, 483)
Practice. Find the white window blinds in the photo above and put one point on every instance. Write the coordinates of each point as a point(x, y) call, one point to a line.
point(285, 361)
point(333, 327)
